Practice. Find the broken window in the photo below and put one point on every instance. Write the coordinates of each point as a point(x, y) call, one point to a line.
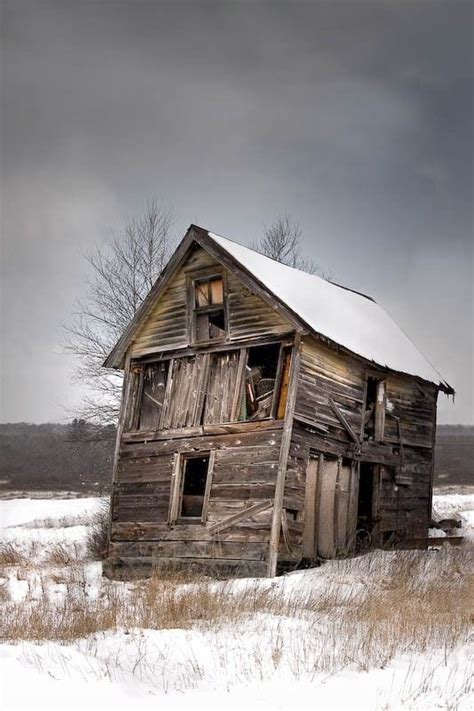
point(213, 388)
point(208, 309)
point(374, 412)
point(265, 383)
point(192, 484)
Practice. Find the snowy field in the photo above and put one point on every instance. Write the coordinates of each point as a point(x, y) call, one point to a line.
point(388, 630)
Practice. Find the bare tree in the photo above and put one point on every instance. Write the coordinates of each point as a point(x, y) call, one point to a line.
point(123, 272)
point(281, 240)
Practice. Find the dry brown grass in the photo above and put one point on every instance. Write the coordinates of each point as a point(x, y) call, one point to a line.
point(406, 602)
point(61, 555)
point(97, 538)
point(11, 555)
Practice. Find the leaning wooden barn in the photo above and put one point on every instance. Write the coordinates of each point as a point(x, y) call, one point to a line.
point(269, 419)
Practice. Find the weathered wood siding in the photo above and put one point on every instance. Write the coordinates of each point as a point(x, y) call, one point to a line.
point(326, 374)
point(244, 474)
point(404, 473)
point(166, 328)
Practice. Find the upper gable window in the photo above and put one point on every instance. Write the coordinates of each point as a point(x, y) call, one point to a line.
point(208, 318)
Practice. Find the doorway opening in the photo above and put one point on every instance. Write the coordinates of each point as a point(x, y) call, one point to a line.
point(365, 506)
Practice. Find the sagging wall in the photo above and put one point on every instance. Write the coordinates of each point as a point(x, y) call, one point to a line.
point(244, 474)
point(403, 469)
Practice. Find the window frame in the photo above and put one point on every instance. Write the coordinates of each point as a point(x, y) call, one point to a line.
point(379, 406)
point(177, 483)
point(193, 310)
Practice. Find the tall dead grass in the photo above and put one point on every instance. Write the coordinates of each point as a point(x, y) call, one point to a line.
point(366, 611)
point(97, 537)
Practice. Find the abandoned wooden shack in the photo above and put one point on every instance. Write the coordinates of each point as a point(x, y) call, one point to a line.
point(269, 419)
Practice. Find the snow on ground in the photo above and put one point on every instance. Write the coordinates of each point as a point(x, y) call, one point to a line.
point(54, 678)
point(265, 664)
point(37, 526)
point(47, 513)
point(459, 506)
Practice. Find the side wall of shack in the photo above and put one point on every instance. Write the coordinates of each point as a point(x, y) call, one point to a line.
point(403, 465)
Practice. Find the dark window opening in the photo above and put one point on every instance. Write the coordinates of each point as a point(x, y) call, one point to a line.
point(194, 480)
point(260, 382)
point(366, 497)
point(152, 395)
point(369, 414)
point(374, 412)
point(209, 313)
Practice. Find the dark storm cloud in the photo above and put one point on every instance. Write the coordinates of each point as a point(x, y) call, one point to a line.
point(356, 117)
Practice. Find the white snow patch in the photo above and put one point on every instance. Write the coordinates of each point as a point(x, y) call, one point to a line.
point(236, 667)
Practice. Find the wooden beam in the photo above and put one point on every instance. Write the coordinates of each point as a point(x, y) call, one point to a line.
point(207, 492)
point(153, 355)
point(239, 386)
point(120, 425)
point(283, 461)
point(175, 490)
point(238, 517)
point(343, 421)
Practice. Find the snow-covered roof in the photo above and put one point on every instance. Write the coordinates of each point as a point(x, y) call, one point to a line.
point(348, 318)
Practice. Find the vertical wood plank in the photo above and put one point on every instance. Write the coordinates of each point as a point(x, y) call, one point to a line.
point(239, 385)
point(164, 420)
point(352, 510)
point(309, 533)
point(380, 411)
point(283, 461)
point(175, 489)
point(326, 529)
point(207, 492)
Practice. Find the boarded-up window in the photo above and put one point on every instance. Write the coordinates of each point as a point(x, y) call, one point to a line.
point(221, 404)
point(187, 387)
point(153, 394)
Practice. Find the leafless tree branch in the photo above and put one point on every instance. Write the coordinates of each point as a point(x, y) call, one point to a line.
point(122, 273)
point(281, 241)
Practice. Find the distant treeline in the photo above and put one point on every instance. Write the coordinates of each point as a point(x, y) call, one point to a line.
point(454, 455)
point(78, 457)
point(74, 457)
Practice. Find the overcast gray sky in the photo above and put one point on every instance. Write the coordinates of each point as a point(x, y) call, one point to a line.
point(355, 117)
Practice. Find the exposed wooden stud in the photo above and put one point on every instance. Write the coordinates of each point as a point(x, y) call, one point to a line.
point(343, 421)
point(282, 464)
